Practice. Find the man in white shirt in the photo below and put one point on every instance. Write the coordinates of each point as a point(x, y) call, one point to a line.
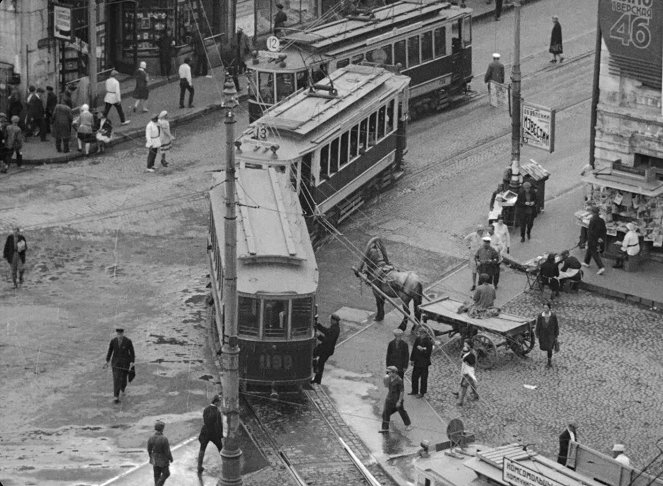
point(114, 97)
point(152, 141)
point(186, 83)
point(619, 456)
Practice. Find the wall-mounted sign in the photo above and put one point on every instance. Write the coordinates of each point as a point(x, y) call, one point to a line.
point(538, 126)
point(62, 22)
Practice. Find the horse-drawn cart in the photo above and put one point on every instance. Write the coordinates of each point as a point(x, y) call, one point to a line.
point(517, 332)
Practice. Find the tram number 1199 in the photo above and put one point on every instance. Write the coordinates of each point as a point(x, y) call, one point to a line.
point(275, 362)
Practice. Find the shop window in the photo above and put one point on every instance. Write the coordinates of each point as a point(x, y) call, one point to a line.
point(391, 115)
point(440, 41)
point(266, 87)
point(342, 63)
point(399, 53)
point(381, 121)
point(354, 142)
point(285, 85)
point(333, 157)
point(302, 317)
point(275, 318)
point(357, 59)
point(426, 46)
point(248, 316)
point(413, 51)
point(324, 162)
point(343, 152)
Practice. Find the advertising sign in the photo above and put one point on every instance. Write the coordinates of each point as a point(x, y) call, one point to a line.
point(516, 474)
point(62, 22)
point(498, 93)
point(538, 126)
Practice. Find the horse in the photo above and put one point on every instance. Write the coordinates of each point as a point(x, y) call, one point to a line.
point(405, 286)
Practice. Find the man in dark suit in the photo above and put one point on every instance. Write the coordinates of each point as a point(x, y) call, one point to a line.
point(324, 349)
point(398, 352)
point(158, 449)
point(14, 253)
point(121, 350)
point(212, 430)
point(527, 207)
point(36, 114)
point(420, 358)
point(596, 235)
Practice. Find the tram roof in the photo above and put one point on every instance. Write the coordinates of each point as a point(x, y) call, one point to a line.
point(306, 119)
point(274, 251)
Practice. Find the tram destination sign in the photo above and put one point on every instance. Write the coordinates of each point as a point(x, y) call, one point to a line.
point(517, 474)
point(538, 126)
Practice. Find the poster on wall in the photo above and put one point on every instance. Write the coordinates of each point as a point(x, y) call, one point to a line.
point(62, 22)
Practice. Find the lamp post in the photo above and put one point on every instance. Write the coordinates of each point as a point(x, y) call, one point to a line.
point(515, 103)
point(231, 453)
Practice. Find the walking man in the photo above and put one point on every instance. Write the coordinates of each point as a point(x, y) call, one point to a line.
point(398, 352)
point(394, 401)
point(495, 72)
point(114, 97)
point(14, 253)
point(420, 358)
point(186, 82)
point(158, 449)
point(596, 236)
point(325, 348)
point(153, 142)
point(166, 47)
point(122, 357)
point(212, 430)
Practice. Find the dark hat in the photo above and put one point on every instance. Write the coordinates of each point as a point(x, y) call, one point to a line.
point(49, 88)
point(159, 425)
point(278, 5)
point(119, 329)
point(216, 398)
point(335, 317)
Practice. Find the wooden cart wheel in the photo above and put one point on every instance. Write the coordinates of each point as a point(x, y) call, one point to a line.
point(522, 343)
point(486, 351)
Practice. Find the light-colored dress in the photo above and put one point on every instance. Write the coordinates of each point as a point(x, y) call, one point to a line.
point(166, 136)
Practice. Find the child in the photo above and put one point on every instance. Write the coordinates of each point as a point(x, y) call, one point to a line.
point(14, 142)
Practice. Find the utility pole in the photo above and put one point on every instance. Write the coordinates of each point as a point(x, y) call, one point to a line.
point(92, 50)
point(231, 453)
point(231, 14)
point(515, 103)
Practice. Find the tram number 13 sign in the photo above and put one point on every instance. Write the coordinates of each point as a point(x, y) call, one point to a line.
point(538, 126)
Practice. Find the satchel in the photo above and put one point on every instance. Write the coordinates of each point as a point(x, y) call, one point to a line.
point(556, 346)
point(132, 373)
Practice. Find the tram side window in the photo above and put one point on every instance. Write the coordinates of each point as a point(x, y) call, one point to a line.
point(333, 157)
point(319, 72)
point(390, 117)
point(456, 43)
point(381, 121)
point(354, 142)
point(467, 31)
point(363, 134)
point(399, 53)
point(302, 317)
point(248, 316)
point(387, 49)
point(440, 42)
point(266, 87)
point(372, 130)
point(285, 85)
point(342, 63)
point(302, 80)
point(275, 318)
point(343, 154)
point(426, 46)
point(357, 59)
point(413, 51)
point(324, 162)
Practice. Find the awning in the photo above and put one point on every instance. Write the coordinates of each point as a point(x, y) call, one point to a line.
point(622, 182)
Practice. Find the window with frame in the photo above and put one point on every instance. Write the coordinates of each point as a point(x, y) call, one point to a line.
point(319, 72)
point(400, 53)
point(440, 41)
point(467, 31)
point(413, 51)
point(343, 150)
point(363, 134)
point(285, 85)
point(266, 87)
point(324, 162)
point(275, 318)
point(333, 157)
point(302, 80)
point(248, 316)
point(426, 46)
point(342, 63)
point(390, 116)
point(381, 122)
point(372, 129)
point(354, 142)
point(302, 317)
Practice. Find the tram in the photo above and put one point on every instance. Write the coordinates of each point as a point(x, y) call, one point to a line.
point(312, 158)
point(428, 40)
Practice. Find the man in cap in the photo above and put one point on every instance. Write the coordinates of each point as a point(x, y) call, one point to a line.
point(619, 456)
point(527, 207)
point(152, 141)
point(158, 449)
point(394, 401)
point(473, 242)
point(212, 430)
point(420, 358)
point(14, 253)
point(114, 97)
point(325, 348)
point(487, 258)
point(122, 357)
point(398, 352)
point(596, 236)
point(495, 72)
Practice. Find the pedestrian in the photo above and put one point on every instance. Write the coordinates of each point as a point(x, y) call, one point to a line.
point(570, 269)
point(15, 105)
point(499, 246)
point(200, 51)
point(166, 46)
point(498, 9)
point(596, 236)
point(398, 352)
point(547, 332)
point(279, 20)
point(104, 133)
point(158, 449)
point(244, 48)
point(487, 258)
point(212, 430)
point(14, 142)
point(141, 91)
point(468, 376)
point(394, 401)
point(527, 207)
point(474, 242)
point(3, 150)
point(14, 253)
point(36, 114)
point(166, 136)
point(152, 141)
point(325, 348)
point(114, 97)
point(630, 245)
point(549, 274)
point(495, 72)
point(556, 48)
point(66, 98)
point(420, 359)
point(619, 456)
point(502, 231)
point(186, 83)
point(570, 434)
point(51, 101)
point(62, 122)
point(84, 124)
point(122, 358)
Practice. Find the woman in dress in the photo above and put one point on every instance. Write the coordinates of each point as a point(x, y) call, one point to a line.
point(547, 331)
point(141, 92)
point(85, 129)
point(556, 48)
point(166, 136)
point(104, 133)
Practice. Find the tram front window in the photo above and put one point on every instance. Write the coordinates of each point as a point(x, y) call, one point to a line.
point(275, 318)
point(248, 316)
point(266, 88)
point(285, 85)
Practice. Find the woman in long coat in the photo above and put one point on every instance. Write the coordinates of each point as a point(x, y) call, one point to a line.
point(556, 48)
point(62, 120)
point(547, 331)
point(141, 91)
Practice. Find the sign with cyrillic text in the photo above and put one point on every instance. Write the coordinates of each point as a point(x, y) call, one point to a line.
point(538, 126)
point(516, 474)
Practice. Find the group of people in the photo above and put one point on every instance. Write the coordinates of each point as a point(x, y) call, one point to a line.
point(487, 247)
